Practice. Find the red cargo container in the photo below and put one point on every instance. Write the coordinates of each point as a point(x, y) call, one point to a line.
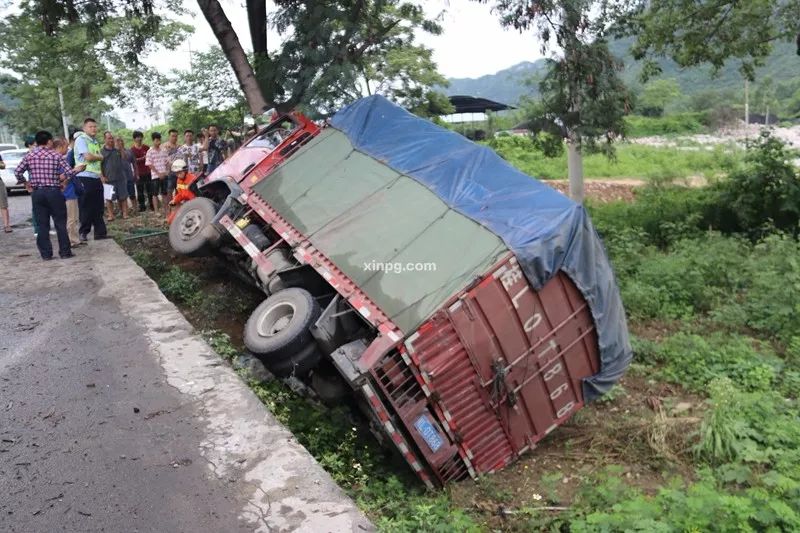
point(462, 369)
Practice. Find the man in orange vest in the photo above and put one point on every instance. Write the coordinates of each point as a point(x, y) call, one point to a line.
point(182, 191)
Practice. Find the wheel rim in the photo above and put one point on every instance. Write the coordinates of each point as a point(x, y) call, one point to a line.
point(275, 319)
point(191, 224)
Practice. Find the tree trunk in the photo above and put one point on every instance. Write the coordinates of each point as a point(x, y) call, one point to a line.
point(257, 18)
point(575, 168)
point(766, 120)
point(233, 50)
point(262, 65)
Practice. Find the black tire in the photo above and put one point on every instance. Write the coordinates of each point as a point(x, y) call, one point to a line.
point(298, 364)
point(188, 233)
point(278, 328)
point(256, 236)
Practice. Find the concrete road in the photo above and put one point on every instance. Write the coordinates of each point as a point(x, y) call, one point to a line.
point(116, 416)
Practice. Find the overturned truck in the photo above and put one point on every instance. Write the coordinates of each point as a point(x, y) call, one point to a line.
point(470, 308)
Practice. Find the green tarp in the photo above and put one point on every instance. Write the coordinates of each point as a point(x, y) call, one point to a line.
point(392, 236)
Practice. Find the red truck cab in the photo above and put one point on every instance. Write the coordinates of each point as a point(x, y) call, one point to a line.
point(264, 151)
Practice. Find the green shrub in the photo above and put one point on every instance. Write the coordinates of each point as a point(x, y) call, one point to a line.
point(661, 213)
point(765, 192)
point(179, 285)
point(694, 361)
point(769, 302)
point(693, 277)
point(677, 124)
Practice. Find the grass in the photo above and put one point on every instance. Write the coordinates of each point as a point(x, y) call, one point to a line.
point(631, 161)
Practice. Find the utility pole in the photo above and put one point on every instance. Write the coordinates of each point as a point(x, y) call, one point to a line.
point(746, 102)
point(63, 113)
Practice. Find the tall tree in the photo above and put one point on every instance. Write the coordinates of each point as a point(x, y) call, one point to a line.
point(656, 95)
point(583, 96)
point(765, 98)
point(329, 51)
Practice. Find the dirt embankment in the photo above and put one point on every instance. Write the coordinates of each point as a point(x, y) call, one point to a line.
point(609, 190)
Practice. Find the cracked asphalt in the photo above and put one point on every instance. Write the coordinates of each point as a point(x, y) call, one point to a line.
point(116, 416)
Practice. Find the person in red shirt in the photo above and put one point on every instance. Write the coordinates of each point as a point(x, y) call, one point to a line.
point(144, 182)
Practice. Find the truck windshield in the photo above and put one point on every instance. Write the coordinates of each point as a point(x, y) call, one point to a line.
point(274, 134)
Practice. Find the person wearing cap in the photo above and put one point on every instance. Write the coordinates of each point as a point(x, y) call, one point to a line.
point(182, 191)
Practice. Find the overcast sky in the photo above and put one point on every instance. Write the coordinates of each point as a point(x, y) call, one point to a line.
point(473, 42)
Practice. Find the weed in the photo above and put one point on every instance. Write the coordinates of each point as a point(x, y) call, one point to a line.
point(616, 392)
point(179, 285)
point(723, 429)
point(221, 343)
point(695, 361)
point(149, 262)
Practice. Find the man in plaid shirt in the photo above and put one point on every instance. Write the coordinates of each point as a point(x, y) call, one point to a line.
point(48, 173)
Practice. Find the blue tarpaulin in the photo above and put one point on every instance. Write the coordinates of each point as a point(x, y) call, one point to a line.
point(547, 231)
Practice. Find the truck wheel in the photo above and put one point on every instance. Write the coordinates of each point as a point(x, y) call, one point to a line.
point(279, 326)
point(298, 364)
point(189, 231)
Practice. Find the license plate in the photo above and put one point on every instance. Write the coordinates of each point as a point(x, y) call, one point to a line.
point(429, 433)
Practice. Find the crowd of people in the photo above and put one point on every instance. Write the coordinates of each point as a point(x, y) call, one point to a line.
point(69, 180)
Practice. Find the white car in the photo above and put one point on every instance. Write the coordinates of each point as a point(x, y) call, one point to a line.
point(11, 158)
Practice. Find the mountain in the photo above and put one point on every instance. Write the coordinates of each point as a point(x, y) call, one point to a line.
point(505, 86)
point(508, 85)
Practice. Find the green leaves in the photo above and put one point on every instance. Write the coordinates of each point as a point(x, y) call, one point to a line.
point(711, 32)
point(91, 49)
point(765, 192)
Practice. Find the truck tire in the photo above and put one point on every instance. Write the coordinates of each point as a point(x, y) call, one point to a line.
point(278, 328)
point(189, 232)
point(298, 364)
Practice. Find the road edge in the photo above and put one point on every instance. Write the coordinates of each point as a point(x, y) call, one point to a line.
point(289, 490)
